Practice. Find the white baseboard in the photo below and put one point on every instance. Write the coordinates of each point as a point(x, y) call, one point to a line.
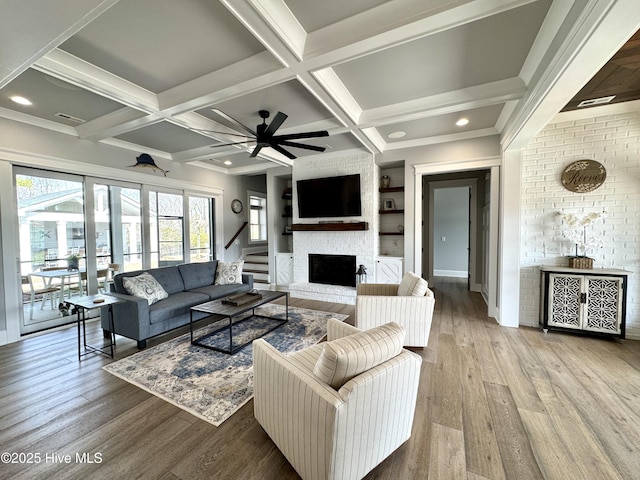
point(451, 273)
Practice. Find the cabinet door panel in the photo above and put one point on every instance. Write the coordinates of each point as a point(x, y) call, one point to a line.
point(564, 301)
point(604, 305)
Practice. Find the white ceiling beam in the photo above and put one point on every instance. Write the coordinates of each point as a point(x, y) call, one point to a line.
point(262, 30)
point(207, 152)
point(454, 137)
point(441, 104)
point(116, 123)
point(137, 149)
point(284, 23)
point(252, 74)
point(328, 79)
point(392, 24)
point(71, 69)
point(37, 121)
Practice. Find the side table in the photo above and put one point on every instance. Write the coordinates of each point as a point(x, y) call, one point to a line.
point(90, 302)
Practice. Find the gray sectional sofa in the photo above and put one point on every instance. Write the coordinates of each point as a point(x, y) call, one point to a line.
point(187, 285)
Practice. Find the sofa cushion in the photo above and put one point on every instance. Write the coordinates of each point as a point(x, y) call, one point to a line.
point(175, 305)
point(412, 285)
point(215, 292)
point(229, 273)
point(347, 357)
point(196, 275)
point(145, 286)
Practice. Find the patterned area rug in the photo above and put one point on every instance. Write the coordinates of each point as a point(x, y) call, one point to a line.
point(213, 385)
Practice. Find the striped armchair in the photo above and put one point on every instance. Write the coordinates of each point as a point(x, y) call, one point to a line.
point(328, 429)
point(378, 303)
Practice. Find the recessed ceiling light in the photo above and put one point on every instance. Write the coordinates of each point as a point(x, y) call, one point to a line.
point(398, 134)
point(21, 100)
point(462, 122)
point(228, 162)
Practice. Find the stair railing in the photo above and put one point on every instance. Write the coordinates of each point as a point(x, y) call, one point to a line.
point(244, 225)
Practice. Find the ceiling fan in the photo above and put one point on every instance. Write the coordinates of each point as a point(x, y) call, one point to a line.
point(264, 135)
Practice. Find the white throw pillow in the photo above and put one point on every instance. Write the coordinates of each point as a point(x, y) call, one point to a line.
point(144, 286)
point(229, 273)
point(347, 357)
point(412, 285)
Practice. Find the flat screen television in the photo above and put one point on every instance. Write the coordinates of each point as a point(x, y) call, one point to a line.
point(329, 197)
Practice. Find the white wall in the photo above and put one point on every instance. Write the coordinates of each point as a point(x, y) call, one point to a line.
point(612, 140)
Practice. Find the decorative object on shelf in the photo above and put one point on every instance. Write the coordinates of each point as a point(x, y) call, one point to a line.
point(73, 262)
point(361, 275)
point(583, 176)
point(145, 161)
point(401, 228)
point(577, 233)
point(388, 204)
point(385, 181)
point(236, 206)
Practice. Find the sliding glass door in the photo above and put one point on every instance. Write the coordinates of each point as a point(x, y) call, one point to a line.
point(51, 235)
point(76, 233)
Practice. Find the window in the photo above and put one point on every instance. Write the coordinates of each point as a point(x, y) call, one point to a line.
point(166, 218)
point(257, 218)
point(200, 226)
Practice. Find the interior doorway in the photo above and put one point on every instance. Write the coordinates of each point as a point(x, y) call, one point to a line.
point(451, 233)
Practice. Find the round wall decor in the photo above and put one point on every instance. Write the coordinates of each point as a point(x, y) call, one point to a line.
point(236, 206)
point(583, 176)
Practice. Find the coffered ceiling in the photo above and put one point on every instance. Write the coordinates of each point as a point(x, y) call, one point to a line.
point(378, 75)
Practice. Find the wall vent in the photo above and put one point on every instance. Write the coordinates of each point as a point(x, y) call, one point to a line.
point(69, 117)
point(596, 101)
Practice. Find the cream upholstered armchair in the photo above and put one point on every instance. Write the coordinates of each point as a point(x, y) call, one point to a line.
point(339, 408)
point(409, 303)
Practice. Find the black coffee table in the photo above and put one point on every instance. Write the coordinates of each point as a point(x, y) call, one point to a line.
point(217, 310)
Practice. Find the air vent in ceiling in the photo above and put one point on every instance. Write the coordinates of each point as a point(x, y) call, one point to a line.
point(596, 101)
point(69, 117)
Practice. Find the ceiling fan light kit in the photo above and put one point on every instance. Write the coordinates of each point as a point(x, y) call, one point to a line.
point(264, 135)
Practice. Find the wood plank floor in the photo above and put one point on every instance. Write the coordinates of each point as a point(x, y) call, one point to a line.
point(494, 403)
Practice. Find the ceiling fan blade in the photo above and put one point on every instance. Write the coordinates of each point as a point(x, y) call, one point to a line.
point(256, 151)
point(234, 121)
point(302, 145)
point(283, 151)
point(294, 136)
point(275, 124)
point(227, 144)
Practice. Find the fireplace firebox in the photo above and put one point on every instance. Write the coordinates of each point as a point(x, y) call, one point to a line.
point(332, 269)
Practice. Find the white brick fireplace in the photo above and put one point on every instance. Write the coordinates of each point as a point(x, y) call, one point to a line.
point(362, 244)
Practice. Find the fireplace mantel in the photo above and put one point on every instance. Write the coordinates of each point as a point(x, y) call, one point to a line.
point(329, 227)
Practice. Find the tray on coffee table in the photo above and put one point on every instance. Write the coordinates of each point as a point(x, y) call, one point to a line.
point(217, 310)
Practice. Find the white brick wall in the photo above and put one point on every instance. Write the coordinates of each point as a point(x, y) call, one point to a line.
point(362, 244)
point(614, 141)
